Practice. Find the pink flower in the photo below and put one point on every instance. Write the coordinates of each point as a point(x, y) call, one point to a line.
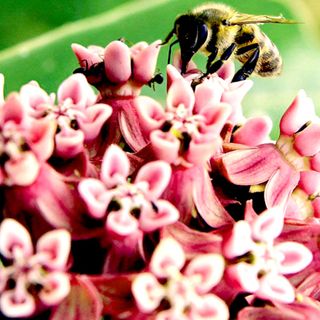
point(187, 291)
point(130, 208)
point(40, 275)
point(256, 264)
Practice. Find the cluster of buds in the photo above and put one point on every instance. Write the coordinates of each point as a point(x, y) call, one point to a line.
point(117, 206)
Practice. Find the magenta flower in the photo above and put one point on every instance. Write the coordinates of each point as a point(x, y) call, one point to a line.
point(256, 264)
point(131, 208)
point(25, 144)
point(26, 276)
point(282, 165)
point(187, 292)
point(79, 118)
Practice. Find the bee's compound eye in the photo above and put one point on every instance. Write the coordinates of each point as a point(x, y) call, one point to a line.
point(225, 22)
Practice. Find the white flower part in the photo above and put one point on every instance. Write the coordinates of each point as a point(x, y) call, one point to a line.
point(167, 259)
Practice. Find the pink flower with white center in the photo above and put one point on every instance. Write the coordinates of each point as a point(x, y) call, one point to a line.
point(25, 143)
point(79, 118)
point(256, 264)
point(291, 162)
point(119, 72)
point(131, 208)
point(187, 292)
point(25, 275)
point(187, 134)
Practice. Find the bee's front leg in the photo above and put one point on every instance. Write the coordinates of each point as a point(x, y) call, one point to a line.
point(248, 67)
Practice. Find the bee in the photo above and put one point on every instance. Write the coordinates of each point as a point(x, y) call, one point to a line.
point(220, 32)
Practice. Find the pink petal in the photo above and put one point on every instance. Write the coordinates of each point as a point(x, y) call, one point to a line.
point(151, 220)
point(207, 202)
point(115, 166)
point(69, 142)
point(147, 292)
point(86, 56)
point(268, 225)
point(144, 62)
point(208, 93)
point(180, 93)
point(16, 309)
point(157, 175)
point(165, 146)
point(239, 241)
point(77, 89)
point(270, 313)
point(171, 314)
point(95, 195)
point(121, 223)
point(150, 112)
point(117, 59)
point(23, 171)
point(249, 214)
point(295, 257)
point(172, 75)
point(56, 286)
point(275, 288)
point(12, 109)
point(280, 186)
point(315, 162)
point(167, 257)
point(255, 131)
point(42, 138)
point(251, 166)
point(96, 116)
point(227, 71)
point(297, 115)
point(1, 88)
point(209, 307)
point(310, 182)
point(56, 246)
point(208, 268)
point(307, 142)
point(243, 276)
point(14, 236)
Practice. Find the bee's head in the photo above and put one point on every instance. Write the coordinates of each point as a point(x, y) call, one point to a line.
point(192, 34)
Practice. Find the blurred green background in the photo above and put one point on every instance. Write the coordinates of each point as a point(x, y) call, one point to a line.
point(35, 38)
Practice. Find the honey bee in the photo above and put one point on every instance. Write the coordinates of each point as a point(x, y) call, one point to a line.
point(220, 32)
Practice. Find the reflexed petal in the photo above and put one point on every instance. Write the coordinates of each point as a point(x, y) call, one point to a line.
point(168, 257)
point(96, 116)
point(76, 88)
point(238, 242)
point(95, 195)
point(13, 234)
point(115, 166)
point(206, 271)
point(307, 142)
point(297, 115)
point(145, 61)
point(56, 288)
point(56, 245)
point(275, 288)
point(209, 307)
point(157, 175)
point(180, 93)
point(16, 309)
point(255, 131)
point(23, 171)
point(147, 292)
point(268, 225)
point(295, 257)
point(151, 220)
point(117, 64)
point(165, 146)
point(122, 223)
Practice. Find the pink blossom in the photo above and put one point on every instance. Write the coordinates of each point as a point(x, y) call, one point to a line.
point(187, 291)
point(258, 265)
point(40, 275)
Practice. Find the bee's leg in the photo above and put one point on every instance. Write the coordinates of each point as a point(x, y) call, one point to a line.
point(211, 58)
point(249, 65)
point(170, 49)
point(219, 63)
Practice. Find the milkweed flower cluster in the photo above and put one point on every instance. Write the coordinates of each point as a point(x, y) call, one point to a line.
point(116, 206)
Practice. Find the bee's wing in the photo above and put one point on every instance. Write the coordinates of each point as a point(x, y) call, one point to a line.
point(239, 19)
